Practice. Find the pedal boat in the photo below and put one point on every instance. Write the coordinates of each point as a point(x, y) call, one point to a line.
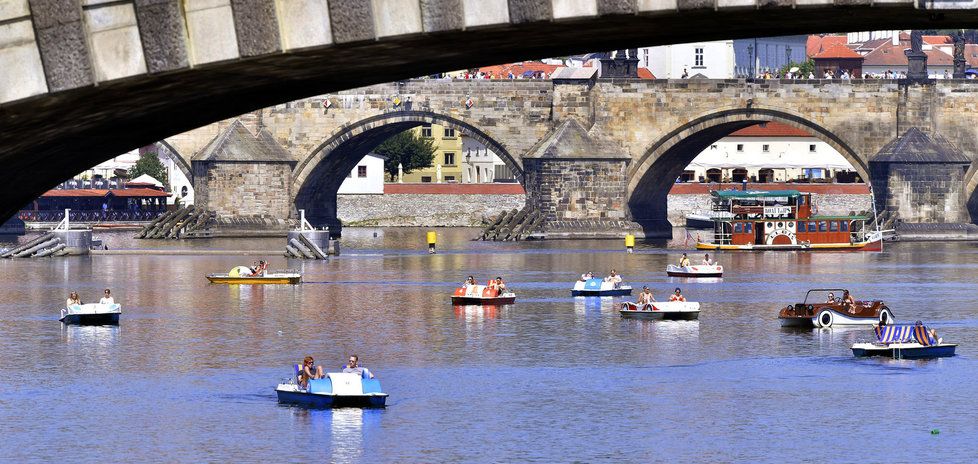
point(808, 315)
point(481, 295)
point(703, 270)
point(242, 275)
point(667, 310)
point(92, 314)
point(336, 390)
point(904, 342)
point(598, 287)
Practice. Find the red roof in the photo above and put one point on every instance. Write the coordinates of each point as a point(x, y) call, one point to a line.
point(892, 55)
point(770, 129)
point(501, 71)
point(818, 43)
point(836, 51)
point(938, 39)
point(645, 73)
point(124, 193)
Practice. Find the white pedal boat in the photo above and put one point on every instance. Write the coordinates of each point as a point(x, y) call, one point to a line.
point(904, 342)
point(92, 314)
point(668, 310)
point(337, 389)
point(598, 287)
point(702, 270)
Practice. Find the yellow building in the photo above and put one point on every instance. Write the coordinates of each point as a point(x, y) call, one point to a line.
point(448, 154)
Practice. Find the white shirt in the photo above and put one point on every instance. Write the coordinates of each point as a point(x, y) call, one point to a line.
point(106, 300)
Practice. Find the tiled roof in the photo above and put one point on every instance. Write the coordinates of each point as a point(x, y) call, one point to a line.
point(836, 51)
point(645, 73)
point(500, 71)
point(770, 129)
point(892, 55)
point(914, 146)
point(938, 39)
point(971, 54)
point(818, 43)
point(237, 143)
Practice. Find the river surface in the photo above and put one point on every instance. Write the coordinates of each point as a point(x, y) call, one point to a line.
point(188, 375)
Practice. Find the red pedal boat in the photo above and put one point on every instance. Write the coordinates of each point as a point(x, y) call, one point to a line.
point(481, 295)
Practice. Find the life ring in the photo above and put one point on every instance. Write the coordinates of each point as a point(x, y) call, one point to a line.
point(885, 316)
point(825, 318)
point(811, 307)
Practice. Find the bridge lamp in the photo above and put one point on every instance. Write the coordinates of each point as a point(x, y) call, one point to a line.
point(787, 55)
point(750, 58)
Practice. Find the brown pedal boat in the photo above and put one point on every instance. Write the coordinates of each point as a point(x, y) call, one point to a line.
point(809, 314)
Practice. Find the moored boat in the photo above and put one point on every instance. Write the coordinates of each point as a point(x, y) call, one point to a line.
point(482, 295)
point(337, 389)
point(92, 314)
point(599, 287)
point(812, 314)
point(904, 342)
point(713, 270)
point(784, 220)
point(705, 219)
point(668, 310)
point(243, 275)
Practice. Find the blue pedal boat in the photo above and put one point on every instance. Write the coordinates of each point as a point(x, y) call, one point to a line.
point(336, 390)
point(598, 287)
point(92, 314)
point(904, 342)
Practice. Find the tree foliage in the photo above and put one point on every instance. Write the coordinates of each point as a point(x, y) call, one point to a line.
point(408, 149)
point(149, 163)
point(804, 68)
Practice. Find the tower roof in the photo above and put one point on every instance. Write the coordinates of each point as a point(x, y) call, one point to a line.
point(914, 146)
point(237, 143)
point(571, 141)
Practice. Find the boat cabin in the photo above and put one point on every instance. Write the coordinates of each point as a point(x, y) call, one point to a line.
point(779, 218)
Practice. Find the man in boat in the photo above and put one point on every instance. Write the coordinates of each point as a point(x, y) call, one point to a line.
point(353, 368)
point(107, 299)
point(848, 301)
point(684, 261)
point(309, 371)
point(706, 260)
point(678, 296)
point(469, 281)
point(614, 278)
point(498, 284)
point(645, 297)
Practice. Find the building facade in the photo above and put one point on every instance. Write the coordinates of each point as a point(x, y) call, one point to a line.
point(713, 60)
point(448, 155)
point(367, 178)
point(767, 54)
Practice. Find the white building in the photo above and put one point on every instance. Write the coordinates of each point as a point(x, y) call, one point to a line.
point(481, 165)
point(770, 152)
point(179, 185)
point(714, 60)
point(367, 178)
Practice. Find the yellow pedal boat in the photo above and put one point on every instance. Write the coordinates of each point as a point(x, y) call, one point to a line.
point(242, 275)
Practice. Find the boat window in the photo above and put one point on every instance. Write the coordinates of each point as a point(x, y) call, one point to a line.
point(822, 226)
point(811, 226)
point(738, 228)
point(845, 226)
point(833, 226)
point(801, 200)
point(801, 226)
point(748, 227)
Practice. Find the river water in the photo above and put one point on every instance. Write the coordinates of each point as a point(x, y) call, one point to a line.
point(188, 375)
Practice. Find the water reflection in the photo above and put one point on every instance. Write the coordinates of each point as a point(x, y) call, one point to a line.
point(476, 314)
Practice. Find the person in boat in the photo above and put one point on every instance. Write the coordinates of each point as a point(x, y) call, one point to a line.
point(706, 260)
point(831, 298)
point(73, 299)
point(586, 276)
point(107, 299)
point(353, 368)
point(498, 284)
point(309, 371)
point(614, 278)
point(933, 334)
point(678, 296)
point(684, 261)
point(469, 281)
point(848, 301)
point(645, 297)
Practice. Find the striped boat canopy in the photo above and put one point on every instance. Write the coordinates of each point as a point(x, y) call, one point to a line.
point(922, 336)
point(894, 333)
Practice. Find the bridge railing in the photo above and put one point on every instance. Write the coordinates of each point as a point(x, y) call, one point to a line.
point(88, 215)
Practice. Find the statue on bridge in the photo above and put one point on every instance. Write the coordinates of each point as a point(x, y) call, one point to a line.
point(916, 58)
point(959, 61)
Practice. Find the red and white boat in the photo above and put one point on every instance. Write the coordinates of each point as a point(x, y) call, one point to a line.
point(785, 220)
point(713, 270)
point(481, 295)
point(668, 310)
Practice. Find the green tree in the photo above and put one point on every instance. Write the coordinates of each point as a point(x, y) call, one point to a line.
point(407, 149)
point(803, 68)
point(149, 163)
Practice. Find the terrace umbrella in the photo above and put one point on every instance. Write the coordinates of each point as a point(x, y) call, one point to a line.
point(972, 72)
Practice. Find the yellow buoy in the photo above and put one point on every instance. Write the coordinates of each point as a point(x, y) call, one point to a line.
point(629, 242)
point(432, 238)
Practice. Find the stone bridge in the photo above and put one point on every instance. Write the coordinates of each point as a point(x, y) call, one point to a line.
point(83, 80)
point(605, 150)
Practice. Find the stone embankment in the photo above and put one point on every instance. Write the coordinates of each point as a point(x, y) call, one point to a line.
point(430, 205)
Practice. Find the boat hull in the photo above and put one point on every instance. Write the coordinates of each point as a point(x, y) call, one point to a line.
point(616, 292)
point(699, 222)
point(859, 246)
point(324, 401)
point(903, 350)
point(92, 319)
point(670, 311)
point(281, 280)
point(476, 300)
point(797, 322)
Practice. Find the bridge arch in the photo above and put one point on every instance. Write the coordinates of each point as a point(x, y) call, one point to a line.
point(654, 174)
point(179, 161)
point(317, 178)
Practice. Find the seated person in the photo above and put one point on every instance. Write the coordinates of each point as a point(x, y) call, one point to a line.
point(933, 334)
point(587, 275)
point(645, 297)
point(353, 368)
point(848, 301)
point(684, 261)
point(107, 299)
point(469, 281)
point(678, 296)
point(706, 260)
point(498, 284)
point(831, 299)
point(614, 278)
point(73, 299)
point(309, 371)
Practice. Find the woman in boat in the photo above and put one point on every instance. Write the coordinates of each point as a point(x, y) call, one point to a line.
point(309, 371)
point(587, 275)
point(678, 296)
point(848, 301)
point(684, 261)
point(469, 281)
point(831, 299)
point(73, 299)
point(645, 297)
point(107, 299)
